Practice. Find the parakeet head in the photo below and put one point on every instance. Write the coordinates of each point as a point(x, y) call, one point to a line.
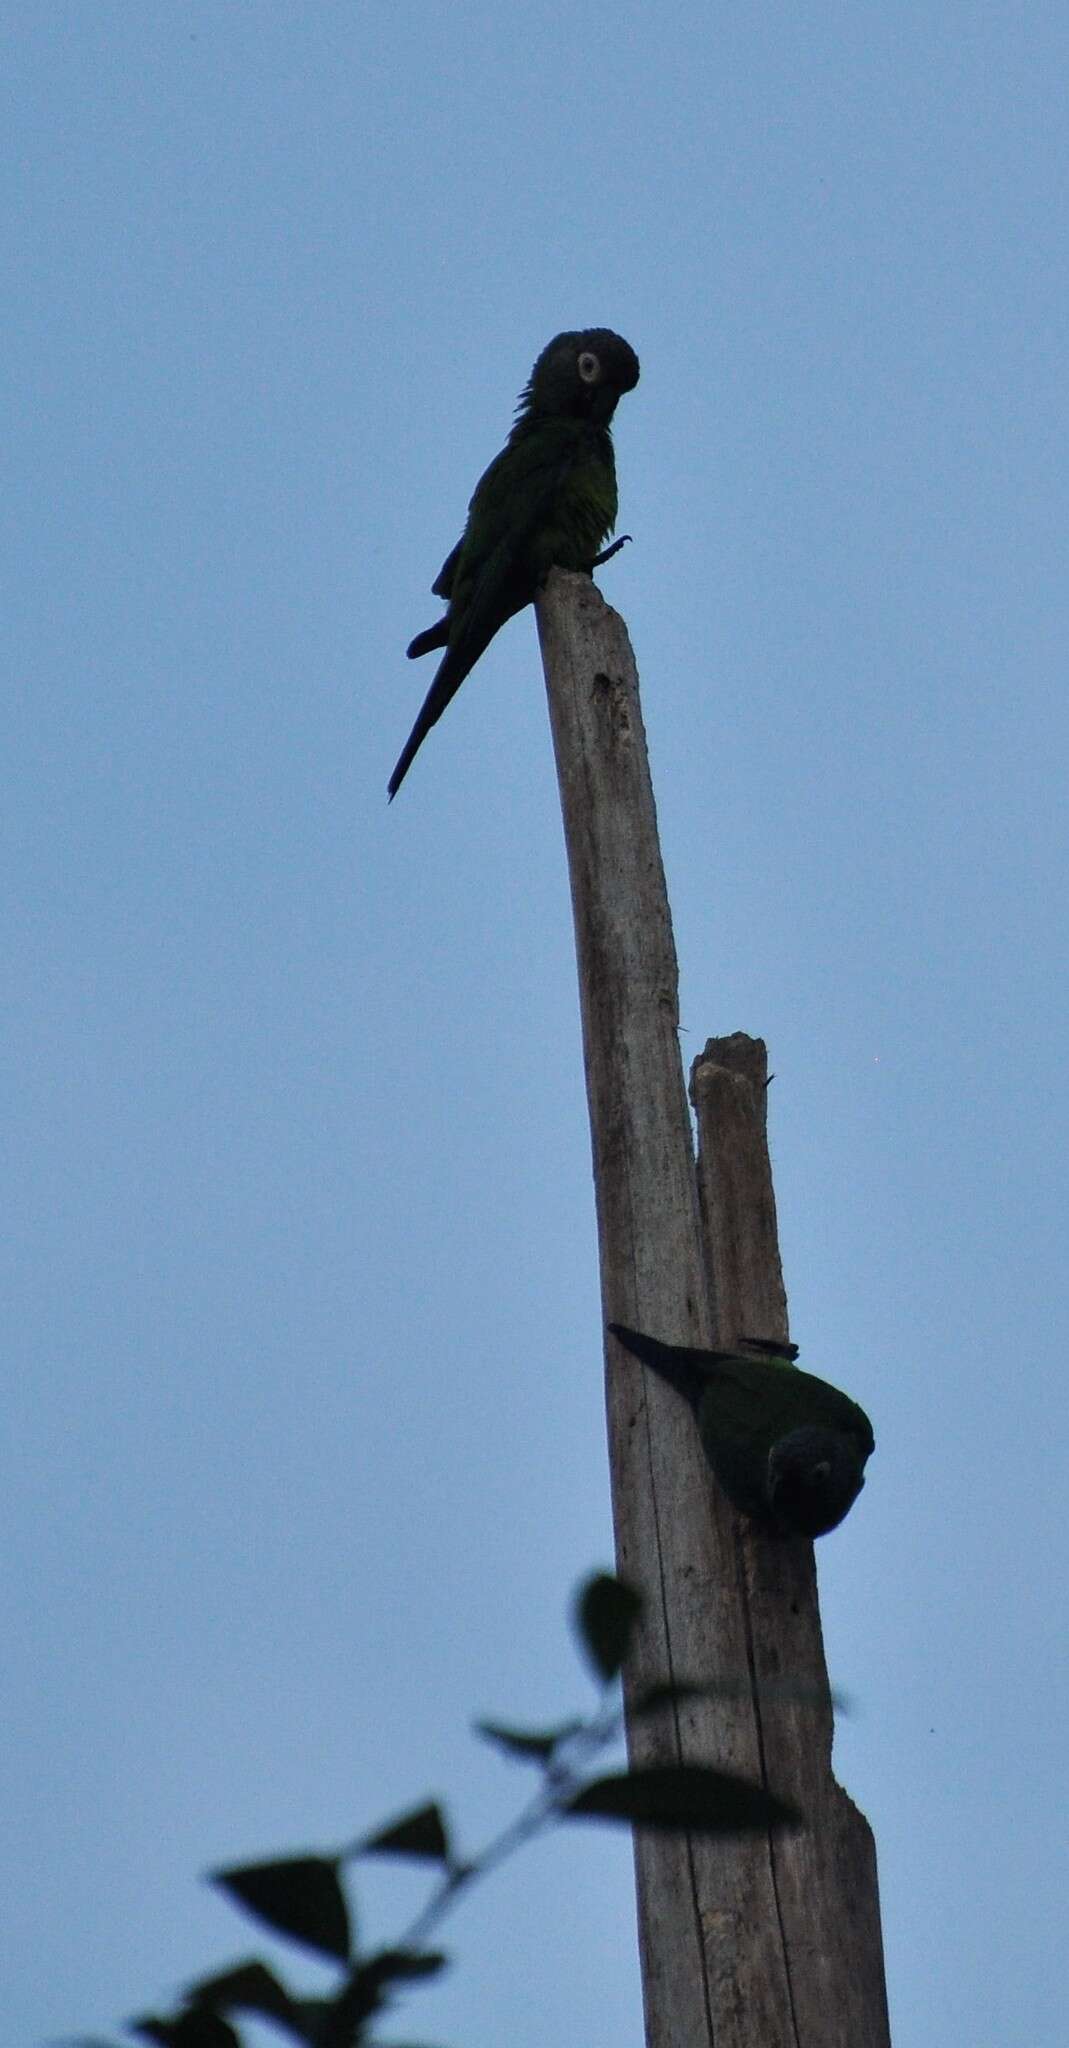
point(581, 374)
point(814, 1477)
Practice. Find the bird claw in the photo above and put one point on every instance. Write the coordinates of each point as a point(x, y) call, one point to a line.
point(607, 554)
point(774, 1347)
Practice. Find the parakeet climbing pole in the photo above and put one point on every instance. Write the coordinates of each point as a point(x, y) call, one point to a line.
point(746, 1942)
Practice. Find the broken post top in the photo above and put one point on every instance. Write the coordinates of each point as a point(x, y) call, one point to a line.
point(729, 1090)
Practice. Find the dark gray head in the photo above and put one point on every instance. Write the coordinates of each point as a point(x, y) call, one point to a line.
point(814, 1477)
point(582, 374)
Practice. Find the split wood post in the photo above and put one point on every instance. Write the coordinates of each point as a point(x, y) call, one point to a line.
point(825, 1874)
point(723, 1964)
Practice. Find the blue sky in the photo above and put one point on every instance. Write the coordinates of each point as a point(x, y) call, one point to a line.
point(305, 1445)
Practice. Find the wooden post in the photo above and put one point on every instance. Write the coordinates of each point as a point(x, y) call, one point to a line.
point(721, 1963)
point(825, 1875)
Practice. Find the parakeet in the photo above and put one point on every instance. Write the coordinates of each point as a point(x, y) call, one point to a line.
point(787, 1448)
point(548, 499)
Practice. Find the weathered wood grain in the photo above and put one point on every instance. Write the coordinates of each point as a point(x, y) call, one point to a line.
point(825, 1875)
point(719, 1961)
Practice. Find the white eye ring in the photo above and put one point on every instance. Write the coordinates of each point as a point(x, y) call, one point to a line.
point(589, 367)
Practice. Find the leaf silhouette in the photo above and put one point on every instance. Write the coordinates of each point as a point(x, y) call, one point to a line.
point(690, 1798)
point(606, 1613)
point(194, 2029)
point(252, 1987)
point(534, 1745)
point(419, 1833)
point(300, 1896)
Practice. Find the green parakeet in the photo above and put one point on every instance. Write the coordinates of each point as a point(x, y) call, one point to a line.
point(787, 1448)
point(548, 499)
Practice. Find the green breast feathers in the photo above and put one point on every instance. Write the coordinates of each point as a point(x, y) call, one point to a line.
point(787, 1448)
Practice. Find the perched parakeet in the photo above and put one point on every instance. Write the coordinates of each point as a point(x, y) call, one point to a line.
point(787, 1448)
point(548, 499)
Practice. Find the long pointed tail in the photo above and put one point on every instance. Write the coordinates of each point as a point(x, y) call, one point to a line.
point(452, 670)
point(476, 632)
point(686, 1371)
point(499, 593)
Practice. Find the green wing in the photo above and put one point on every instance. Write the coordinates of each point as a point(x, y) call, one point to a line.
point(767, 1397)
point(485, 579)
point(748, 1404)
point(549, 497)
